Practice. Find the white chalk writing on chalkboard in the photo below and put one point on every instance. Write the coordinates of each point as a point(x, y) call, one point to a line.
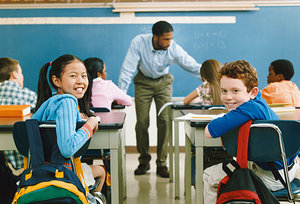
point(145, 29)
point(206, 40)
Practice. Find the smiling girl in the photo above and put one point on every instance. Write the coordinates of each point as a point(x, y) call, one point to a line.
point(68, 76)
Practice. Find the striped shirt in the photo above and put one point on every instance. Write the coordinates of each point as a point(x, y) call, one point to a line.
point(12, 94)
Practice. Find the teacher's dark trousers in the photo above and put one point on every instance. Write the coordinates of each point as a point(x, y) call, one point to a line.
point(148, 89)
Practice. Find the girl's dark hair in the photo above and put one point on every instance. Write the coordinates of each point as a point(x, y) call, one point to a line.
point(283, 67)
point(93, 66)
point(57, 68)
point(161, 27)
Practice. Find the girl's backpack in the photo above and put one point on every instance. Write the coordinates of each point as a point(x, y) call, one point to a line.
point(8, 186)
point(46, 183)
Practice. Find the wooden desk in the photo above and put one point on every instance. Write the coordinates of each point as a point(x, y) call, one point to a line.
point(120, 108)
point(108, 136)
point(175, 111)
point(194, 132)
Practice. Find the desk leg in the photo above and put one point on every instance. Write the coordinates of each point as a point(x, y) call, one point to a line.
point(199, 175)
point(187, 172)
point(176, 162)
point(114, 169)
point(170, 149)
point(123, 163)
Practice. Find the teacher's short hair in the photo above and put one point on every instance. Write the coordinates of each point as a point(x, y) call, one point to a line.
point(161, 27)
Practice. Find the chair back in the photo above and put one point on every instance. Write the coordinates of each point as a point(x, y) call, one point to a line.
point(266, 136)
point(269, 141)
point(48, 136)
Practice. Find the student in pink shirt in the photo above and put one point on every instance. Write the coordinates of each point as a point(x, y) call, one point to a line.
point(104, 92)
point(280, 88)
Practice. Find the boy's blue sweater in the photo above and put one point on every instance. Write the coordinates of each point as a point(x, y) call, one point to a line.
point(256, 109)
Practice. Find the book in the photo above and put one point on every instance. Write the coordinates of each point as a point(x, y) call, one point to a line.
point(14, 110)
point(280, 104)
point(283, 109)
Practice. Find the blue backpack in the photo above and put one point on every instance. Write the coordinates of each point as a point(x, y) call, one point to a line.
point(46, 182)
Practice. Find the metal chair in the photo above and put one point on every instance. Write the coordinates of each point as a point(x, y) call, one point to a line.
point(48, 136)
point(50, 147)
point(283, 138)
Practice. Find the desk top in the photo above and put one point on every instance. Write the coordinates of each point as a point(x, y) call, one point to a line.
point(117, 106)
point(196, 106)
point(108, 120)
point(289, 115)
point(203, 112)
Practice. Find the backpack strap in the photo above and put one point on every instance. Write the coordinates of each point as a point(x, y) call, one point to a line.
point(34, 136)
point(277, 175)
point(242, 147)
point(226, 169)
point(35, 142)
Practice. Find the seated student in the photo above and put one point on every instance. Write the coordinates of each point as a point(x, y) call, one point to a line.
point(280, 88)
point(68, 76)
point(240, 94)
point(104, 92)
point(12, 92)
point(208, 93)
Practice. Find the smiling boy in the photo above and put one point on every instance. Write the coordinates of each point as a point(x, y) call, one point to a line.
point(240, 95)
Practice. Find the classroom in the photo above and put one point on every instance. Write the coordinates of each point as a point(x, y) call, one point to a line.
point(256, 31)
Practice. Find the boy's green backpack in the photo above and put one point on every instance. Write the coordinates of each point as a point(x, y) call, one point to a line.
point(45, 183)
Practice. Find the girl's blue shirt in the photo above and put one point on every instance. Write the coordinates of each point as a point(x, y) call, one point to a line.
point(63, 109)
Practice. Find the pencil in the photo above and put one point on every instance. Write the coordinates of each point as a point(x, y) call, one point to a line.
point(203, 117)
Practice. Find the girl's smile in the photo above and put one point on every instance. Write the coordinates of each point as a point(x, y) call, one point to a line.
point(73, 80)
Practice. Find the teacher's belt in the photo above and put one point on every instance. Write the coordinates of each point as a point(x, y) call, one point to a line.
point(140, 72)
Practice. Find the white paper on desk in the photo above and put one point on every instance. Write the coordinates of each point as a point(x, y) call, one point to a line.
point(198, 117)
point(168, 104)
point(98, 118)
point(283, 109)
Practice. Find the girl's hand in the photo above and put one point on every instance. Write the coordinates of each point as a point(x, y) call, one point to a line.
point(83, 116)
point(93, 123)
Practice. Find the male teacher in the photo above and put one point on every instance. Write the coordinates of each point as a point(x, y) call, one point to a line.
point(153, 54)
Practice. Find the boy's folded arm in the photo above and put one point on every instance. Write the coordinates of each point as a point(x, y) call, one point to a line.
point(207, 134)
point(219, 126)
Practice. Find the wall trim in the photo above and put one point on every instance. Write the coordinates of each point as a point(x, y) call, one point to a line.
point(123, 19)
point(166, 6)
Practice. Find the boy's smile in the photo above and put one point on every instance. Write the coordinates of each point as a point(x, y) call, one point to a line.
point(234, 92)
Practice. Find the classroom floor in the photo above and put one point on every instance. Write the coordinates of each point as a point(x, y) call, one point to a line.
point(150, 188)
